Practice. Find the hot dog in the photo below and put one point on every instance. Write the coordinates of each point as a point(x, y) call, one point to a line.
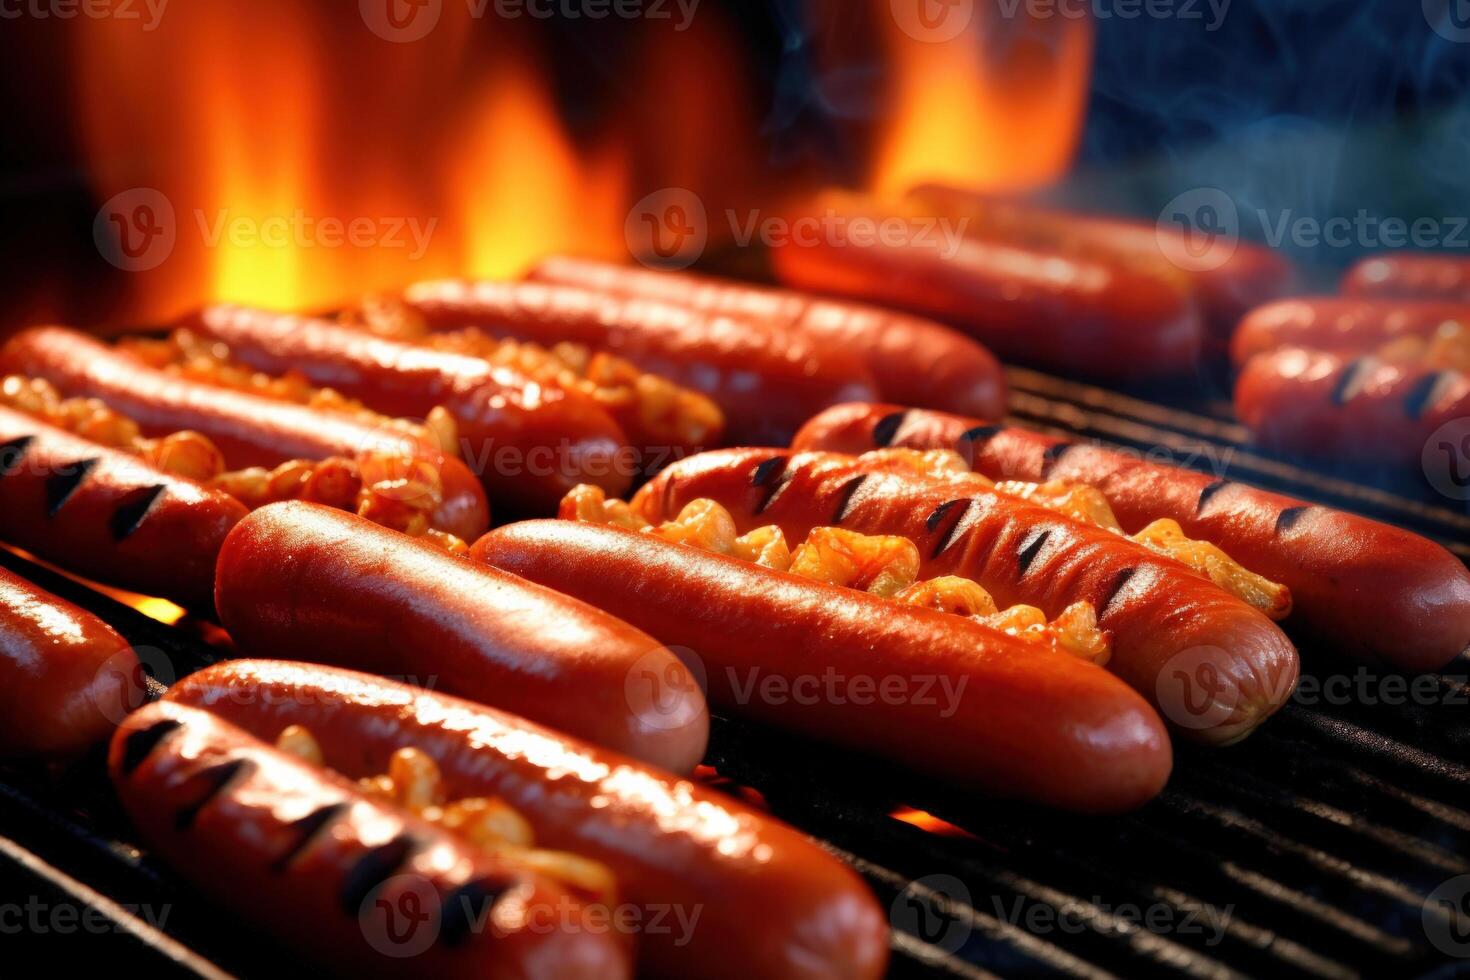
point(528, 442)
point(912, 360)
point(765, 378)
point(1229, 280)
point(66, 677)
point(107, 515)
point(324, 868)
point(770, 904)
point(1074, 315)
point(1344, 324)
point(1367, 589)
point(310, 583)
point(1363, 409)
point(1166, 620)
point(1019, 721)
point(249, 429)
point(1410, 275)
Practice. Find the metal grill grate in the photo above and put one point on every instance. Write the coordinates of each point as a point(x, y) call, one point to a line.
point(1309, 850)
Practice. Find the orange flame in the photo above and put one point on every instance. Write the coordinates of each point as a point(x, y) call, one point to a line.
point(997, 106)
point(929, 822)
point(308, 161)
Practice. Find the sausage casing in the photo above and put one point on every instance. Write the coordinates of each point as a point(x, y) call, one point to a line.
point(912, 360)
point(968, 704)
point(363, 888)
point(737, 894)
point(1338, 323)
point(105, 514)
point(765, 378)
point(66, 677)
point(305, 582)
point(1338, 406)
point(529, 443)
point(1365, 589)
point(1173, 629)
point(1410, 275)
point(250, 430)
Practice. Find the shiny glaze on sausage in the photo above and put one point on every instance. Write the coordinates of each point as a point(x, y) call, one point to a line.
point(912, 360)
point(1361, 588)
point(250, 430)
point(108, 515)
point(361, 887)
point(759, 899)
point(1170, 625)
point(306, 582)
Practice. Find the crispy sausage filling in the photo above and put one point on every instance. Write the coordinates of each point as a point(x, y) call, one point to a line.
point(1088, 505)
point(657, 410)
point(883, 565)
point(413, 781)
point(386, 487)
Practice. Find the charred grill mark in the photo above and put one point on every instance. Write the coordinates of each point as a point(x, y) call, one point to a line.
point(1288, 518)
point(1030, 548)
point(1116, 586)
point(1053, 455)
point(770, 476)
point(962, 522)
point(140, 744)
point(307, 829)
point(886, 428)
point(210, 783)
point(1208, 494)
point(1353, 378)
point(1426, 392)
point(134, 507)
point(12, 452)
point(466, 905)
point(845, 496)
point(373, 868)
point(60, 486)
point(980, 434)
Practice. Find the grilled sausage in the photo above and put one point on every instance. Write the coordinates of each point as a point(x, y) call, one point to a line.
point(1364, 589)
point(1341, 324)
point(108, 515)
point(912, 360)
point(1228, 280)
point(250, 430)
point(306, 582)
point(931, 690)
point(760, 900)
point(66, 677)
point(1336, 406)
point(361, 887)
point(1075, 315)
point(765, 378)
point(528, 442)
point(1410, 275)
point(1171, 626)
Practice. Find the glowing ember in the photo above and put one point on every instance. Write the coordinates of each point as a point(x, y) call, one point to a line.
point(929, 822)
